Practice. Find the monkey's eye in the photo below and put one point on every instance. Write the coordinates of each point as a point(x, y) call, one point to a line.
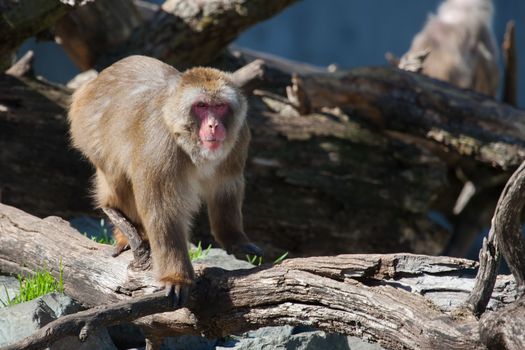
point(222, 108)
point(200, 105)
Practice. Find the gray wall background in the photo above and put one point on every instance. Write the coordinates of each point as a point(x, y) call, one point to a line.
point(349, 33)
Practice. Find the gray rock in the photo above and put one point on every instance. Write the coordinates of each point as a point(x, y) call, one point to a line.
point(9, 287)
point(60, 304)
point(297, 338)
point(22, 320)
point(217, 257)
point(358, 344)
point(278, 338)
point(283, 338)
point(99, 340)
point(188, 342)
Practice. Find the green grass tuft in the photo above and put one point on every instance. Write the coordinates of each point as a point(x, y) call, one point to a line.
point(280, 259)
point(254, 259)
point(33, 286)
point(104, 237)
point(258, 260)
point(198, 253)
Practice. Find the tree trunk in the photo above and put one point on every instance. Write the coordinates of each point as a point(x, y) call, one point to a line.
point(402, 301)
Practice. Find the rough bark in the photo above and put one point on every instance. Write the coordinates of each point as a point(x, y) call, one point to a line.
point(505, 237)
point(40, 170)
point(25, 18)
point(508, 231)
point(187, 33)
point(398, 300)
point(504, 329)
point(462, 120)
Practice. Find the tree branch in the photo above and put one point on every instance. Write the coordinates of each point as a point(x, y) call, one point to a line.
point(508, 218)
point(83, 323)
point(25, 18)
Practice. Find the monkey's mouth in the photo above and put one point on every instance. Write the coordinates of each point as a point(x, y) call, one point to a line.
point(211, 143)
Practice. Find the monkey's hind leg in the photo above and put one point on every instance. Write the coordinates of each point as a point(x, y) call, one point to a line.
point(121, 242)
point(115, 198)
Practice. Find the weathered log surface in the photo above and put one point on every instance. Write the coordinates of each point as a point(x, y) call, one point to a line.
point(504, 329)
point(471, 124)
point(504, 238)
point(398, 300)
point(188, 33)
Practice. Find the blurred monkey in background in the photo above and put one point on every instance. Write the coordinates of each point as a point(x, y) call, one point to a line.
point(458, 45)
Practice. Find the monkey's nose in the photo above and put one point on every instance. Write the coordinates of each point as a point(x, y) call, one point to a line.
point(212, 124)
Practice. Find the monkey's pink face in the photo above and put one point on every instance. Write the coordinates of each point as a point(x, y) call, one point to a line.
point(212, 118)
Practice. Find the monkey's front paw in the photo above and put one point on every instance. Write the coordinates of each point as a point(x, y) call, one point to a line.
point(177, 289)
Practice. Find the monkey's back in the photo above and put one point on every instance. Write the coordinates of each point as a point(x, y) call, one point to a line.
point(111, 113)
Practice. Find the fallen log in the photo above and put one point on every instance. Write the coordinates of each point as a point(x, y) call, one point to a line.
point(468, 123)
point(398, 300)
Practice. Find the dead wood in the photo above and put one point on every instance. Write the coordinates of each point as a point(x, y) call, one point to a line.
point(510, 85)
point(181, 32)
point(504, 238)
point(507, 223)
point(398, 300)
point(423, 107)
point(22, 67)
point(139, 247)
point(25, 18)
point(503, 329)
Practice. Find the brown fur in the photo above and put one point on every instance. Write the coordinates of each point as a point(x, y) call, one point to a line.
point(462, 45)
point(133, 123)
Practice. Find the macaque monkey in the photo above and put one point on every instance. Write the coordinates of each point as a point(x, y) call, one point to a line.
point(461, 46)
point(162, 141)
